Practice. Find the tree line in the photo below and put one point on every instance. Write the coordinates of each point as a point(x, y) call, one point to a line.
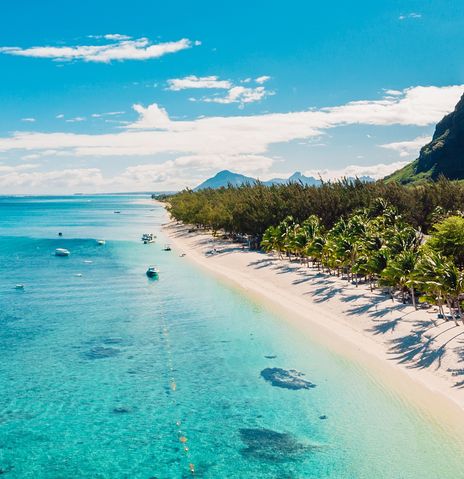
point(251, 208)
point(408, 239)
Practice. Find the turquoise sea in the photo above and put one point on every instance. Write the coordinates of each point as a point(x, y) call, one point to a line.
point(105, 374)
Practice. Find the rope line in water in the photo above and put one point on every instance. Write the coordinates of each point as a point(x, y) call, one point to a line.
point(181, 434)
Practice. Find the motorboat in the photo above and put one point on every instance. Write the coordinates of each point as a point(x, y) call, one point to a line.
point(101, 242)
point(152, 272)
point(167, 248)
point(19, 286)
point(117, 212)
point(62, 252)
point(148, 238)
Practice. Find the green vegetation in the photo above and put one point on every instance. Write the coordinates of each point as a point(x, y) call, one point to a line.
point(442, 156)
point(371, 233)
point(251, 208)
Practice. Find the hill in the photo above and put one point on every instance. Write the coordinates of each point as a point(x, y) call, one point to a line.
point(444, 155)
point(225, 178)
point(297, 177)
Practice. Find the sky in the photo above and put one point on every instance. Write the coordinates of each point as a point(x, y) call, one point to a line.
point(146, 95)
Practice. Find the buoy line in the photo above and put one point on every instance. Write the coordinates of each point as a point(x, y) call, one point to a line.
point(182, 436)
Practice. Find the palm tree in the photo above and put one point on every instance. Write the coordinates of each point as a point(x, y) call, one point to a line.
point(273, 240)
point(453, 286)
point(399, 274)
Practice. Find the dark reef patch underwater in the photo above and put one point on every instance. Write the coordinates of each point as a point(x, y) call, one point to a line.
point(287, 379)
point(273, 446)
point(100, 352)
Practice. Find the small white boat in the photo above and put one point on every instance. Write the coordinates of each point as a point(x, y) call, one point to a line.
point(152, 272)
point(167, 248)
point(19, 286)
point(62, 252)
point(101, 242)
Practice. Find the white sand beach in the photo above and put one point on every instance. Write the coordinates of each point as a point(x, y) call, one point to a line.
point(402, 346)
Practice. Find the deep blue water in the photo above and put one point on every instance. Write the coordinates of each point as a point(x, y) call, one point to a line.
point(105, 374)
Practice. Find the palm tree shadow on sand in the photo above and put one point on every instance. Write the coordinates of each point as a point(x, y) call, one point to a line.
point(458, 372)
point(418, 350)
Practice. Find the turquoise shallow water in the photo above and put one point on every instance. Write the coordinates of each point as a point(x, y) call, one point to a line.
point(111, 375)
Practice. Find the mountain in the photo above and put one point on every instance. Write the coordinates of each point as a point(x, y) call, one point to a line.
point(224, 178)
point(297, 177)
point(444, 155)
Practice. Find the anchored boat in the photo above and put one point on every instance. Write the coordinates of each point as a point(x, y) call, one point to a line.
point(148, 238)
point(152, 272)
point(62, 252)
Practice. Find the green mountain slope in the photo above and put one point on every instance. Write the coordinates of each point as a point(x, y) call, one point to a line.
point(444, 155)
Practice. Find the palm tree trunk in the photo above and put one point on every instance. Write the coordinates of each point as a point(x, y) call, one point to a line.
point(413, 298)
point(448, 301)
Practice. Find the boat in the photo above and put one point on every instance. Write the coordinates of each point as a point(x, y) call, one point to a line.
point(152, 272)
point(19, 286)
point(101, 242)
point(167, 248)
point(62, 252)
point(148, 238)
point(117, 212)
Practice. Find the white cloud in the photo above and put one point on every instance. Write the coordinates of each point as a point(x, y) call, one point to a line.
point(241, 95)
point(242, 142)
point(260, 80)
point(409, 15)
point(235, 94)
point(116, 36)
point(75, 119)
point(14, 178)
point(6, 169)
point(171, 174)
point(192, 81)
point(409, 147)
point(109, 113)
point(393, 92)
point(374, 171)
point(121, 49)
point(28, 120)
point(32, 156)
point(154, 132)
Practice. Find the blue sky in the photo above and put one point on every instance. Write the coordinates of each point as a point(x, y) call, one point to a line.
point(148, 95)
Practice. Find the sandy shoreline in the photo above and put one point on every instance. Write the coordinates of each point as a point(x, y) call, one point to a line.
point(424, 361)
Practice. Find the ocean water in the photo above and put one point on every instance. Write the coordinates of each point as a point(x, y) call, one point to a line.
point(105, 374)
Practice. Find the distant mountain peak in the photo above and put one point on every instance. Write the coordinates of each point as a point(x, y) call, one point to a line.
point(226, 177)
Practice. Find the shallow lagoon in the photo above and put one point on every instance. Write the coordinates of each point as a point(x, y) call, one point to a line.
point(112, 375)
